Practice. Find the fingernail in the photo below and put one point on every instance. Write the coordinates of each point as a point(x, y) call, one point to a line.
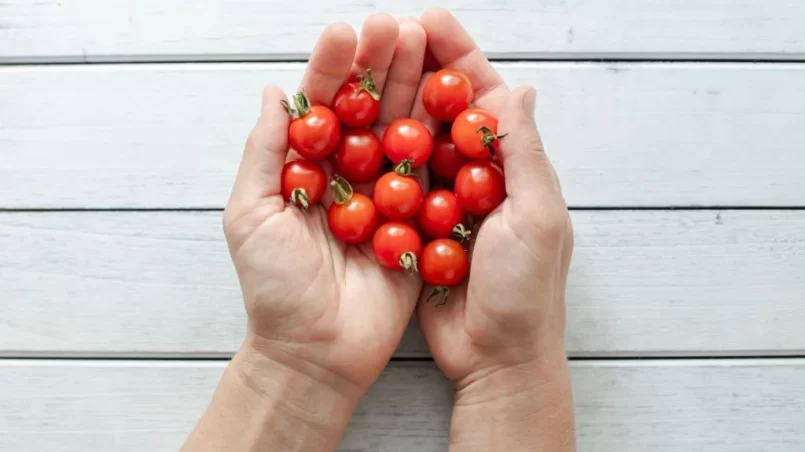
point(530, 103)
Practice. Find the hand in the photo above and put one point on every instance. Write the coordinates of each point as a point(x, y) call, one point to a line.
point(325, 309)
point(500, 336)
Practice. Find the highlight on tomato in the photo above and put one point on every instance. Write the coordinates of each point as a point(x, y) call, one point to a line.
point(302, 183)
point(397, 246)
point(444, 264)
point(357, 103)
point(359, 156)
point(315, 129)
point(352, 217)
point(474, 133)
point(446, 94)
point(441, 216)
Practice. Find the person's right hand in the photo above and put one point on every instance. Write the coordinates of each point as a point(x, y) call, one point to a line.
point(500, 336)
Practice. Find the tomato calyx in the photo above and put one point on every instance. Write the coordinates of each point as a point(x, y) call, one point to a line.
point(302, 104)
point(367, 83)
point(409, 263)
point(488, 138)
point(342, 190)
point(461, 233)
point(440, 293)
point(300, 199)
point(405, 168)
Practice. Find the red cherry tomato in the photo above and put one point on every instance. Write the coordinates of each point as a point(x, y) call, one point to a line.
point(446, 94)
point(359, 156)
point(303, 183)
point(480, 187)
point(444, 263)
point(398, 195)
point(357, 103)
point(475, 133)
point(397, 246)
point(314, 130)
point(352, 217)
point(440, 216)
point(408, 139)
point(446, 160)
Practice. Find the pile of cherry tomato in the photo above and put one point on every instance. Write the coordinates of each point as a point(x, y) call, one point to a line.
point(410, 230)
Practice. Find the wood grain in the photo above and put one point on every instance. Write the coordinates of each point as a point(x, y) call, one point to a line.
point(640, 406)
point(642, 283)
point(119, 30)
point(170, 136)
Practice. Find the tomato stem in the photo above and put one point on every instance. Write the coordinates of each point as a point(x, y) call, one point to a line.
point(368, 84)
point(302, 104)
point(461, 233)
point(405, 168)
point(409, 263)
point(341, 188)
point(488, 138)
point(300, 198)
point(441, 293)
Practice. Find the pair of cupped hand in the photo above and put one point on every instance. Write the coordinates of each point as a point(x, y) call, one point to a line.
point(313, 300)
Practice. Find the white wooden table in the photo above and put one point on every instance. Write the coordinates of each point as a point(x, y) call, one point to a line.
point(676, 127)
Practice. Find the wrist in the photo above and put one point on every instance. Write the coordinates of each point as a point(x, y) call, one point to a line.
point(526, 406)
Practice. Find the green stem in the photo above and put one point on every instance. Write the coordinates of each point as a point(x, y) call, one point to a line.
point(461, 233)
point(368, 84)
point(341, 188)
point(441, 293)
point(405, 168)
point(408, 262)
point(300, 198)
point(488, 138)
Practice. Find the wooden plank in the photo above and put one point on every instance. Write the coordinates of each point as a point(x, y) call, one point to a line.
point(642, 283)
point(627, 134)
point(645, 406)
point(118, 30)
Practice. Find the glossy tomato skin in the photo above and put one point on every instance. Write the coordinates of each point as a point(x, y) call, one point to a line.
point(359, 156)
point(392, 240)
point(355, 221)
point(466, 136)
point(439, 214)
point(446, 160)
point(480, 187)
point(303, 174)
point(355, 106)
point(444, 262)
point(315, 135)
point(408, 139)
point(398, 197)
point(446, 94)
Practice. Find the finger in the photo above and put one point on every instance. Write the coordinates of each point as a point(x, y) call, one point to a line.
point(453, 47)
point(264, 155)
point(376, 47)
point(418, 110)
point(529, 173)
point(404, 74)
point(329, 64)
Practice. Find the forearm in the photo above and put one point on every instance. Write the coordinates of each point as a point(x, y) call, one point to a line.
point(263, 404)
point(524, 408)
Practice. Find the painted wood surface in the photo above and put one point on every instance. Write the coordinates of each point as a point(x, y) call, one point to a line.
point(639, 406)
point(121, 30)
point(642, 283)
point(631, 134)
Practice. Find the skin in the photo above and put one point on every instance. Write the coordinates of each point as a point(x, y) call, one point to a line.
point(324, 318)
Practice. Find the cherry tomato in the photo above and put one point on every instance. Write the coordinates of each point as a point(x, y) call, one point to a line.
point(446, 94)
point(446, 160)
point(314, 130)
point(397, 246)
point(443, 264)
point(408, 139)
point(398, 195)
point(359, 156)
point(440, 216)
point(480, 187)
point(357, 103)
point(303, 183)
point(475, 133)
point(352, 217)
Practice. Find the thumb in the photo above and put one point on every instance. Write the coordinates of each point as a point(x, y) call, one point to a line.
point(529, 173)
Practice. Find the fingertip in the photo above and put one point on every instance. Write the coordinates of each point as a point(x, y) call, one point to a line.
point(341, 33)
point(432, 17)
point(381, 26)
point(413, 34)
point(272, 98)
